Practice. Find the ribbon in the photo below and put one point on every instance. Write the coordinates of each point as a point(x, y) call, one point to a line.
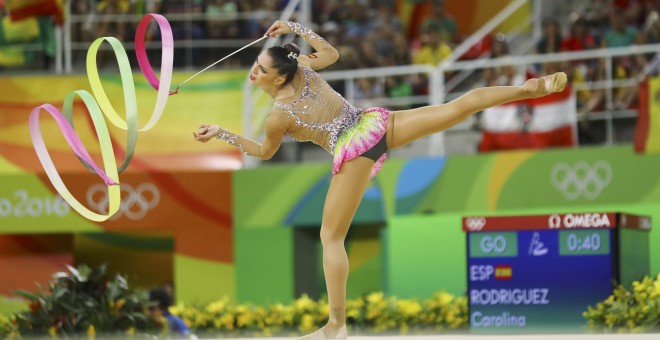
point(110, 176)
point(100, 107)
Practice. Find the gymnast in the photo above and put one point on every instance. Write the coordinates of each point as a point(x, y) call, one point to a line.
point(308, 109)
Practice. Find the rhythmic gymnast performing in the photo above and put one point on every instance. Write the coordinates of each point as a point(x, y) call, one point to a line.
point(308, 109)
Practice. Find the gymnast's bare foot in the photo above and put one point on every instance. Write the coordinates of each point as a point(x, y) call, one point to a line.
point(546, 85)
point(328, 332)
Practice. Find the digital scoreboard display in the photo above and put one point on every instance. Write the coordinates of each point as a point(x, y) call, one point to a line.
point(540, 272)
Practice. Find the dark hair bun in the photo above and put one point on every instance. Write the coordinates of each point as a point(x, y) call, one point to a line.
point(285, 60)
point(292, 48)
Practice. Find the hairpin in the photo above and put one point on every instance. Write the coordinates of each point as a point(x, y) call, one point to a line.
point(293, 56)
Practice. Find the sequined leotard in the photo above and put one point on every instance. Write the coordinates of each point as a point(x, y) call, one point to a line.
point(319, 114)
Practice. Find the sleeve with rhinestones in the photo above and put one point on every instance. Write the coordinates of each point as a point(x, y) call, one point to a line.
point(317, 42)
point(275, 127)
point(232, 139)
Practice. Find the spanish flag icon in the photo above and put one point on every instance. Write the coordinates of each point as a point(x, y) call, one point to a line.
point(503, 272)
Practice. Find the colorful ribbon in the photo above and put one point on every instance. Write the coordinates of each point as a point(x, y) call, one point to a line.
point(97, 108)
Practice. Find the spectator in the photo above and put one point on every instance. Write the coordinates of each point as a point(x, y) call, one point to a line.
point(499, 47)
point(434, 50)
point(596, 13)
point(441, 22)
point(161, 310)
point(620, 34)
point(186, 30)
point(551, 39)
point(401, 55)
point(221, 22)
point(579, 39)
point(652, 29)
point(386, 18)
point(366, 89)
point(82, 29)
point(635, 11)
point(369, 56)
point(112, 25)
point(360, 26)
point(399, 87)
point(382, 38)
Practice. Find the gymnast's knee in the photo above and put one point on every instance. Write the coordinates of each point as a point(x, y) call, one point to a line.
point(330, 235)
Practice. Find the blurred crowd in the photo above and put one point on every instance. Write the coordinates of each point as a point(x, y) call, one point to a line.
point(368, 34)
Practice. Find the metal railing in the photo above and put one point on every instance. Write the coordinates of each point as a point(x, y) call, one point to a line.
point(436, 83)
point(441, 87)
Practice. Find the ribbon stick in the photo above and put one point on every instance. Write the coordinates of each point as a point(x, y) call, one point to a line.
point(208, 67)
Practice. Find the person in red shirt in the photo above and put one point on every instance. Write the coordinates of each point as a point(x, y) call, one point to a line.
point(579, 39)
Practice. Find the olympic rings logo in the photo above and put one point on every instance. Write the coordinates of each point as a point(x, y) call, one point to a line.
point(475, 223)
point(134, 204)
point(581, 179)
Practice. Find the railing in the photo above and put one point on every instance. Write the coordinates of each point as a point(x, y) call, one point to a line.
point(436, 82)
point(253, 114)
point(442, 88)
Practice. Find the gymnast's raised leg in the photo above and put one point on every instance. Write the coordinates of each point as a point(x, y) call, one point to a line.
point(410, 125)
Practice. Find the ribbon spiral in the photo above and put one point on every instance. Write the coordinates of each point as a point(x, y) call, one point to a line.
point(99, 105)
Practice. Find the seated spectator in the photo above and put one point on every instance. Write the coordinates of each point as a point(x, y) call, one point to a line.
point(359, 27)
point(652, 29)
point(434, 50)
point(82, 30)
point(383, 39)
point(385, 17)
point(499, 46)
point(620, 34)
point(399, 87)
point(185, 30)
point(579, 39)
point(221, 22)
point(366, 89)
point(551, 38)
point(161, 310)
point(111, 26)
point(369, 56)
point(441, 22)
point(596, 13)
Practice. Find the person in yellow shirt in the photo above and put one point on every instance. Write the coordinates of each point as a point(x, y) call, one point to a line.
point(434, 51)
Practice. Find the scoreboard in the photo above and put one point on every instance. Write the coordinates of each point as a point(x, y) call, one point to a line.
point(540, 272)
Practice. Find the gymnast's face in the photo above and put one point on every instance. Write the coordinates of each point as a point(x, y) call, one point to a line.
point(263, 74)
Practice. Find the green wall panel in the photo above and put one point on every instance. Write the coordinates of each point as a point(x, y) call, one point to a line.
point(425, 254)
point(264, 265)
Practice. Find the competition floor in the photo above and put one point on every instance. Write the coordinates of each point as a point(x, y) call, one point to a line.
point(506, 337)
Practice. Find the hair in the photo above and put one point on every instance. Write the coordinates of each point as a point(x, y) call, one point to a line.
point(285, 60)
point(161, 297)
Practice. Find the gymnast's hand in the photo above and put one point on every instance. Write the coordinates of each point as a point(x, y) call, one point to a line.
point(277, 28)
point(206, 132)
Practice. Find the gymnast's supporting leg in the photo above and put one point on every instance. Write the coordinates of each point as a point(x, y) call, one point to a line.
point(344, 195)
point(410, 125)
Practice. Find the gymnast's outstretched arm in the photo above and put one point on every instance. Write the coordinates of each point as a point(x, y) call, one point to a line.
point(325, 54)
point(274, 129)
